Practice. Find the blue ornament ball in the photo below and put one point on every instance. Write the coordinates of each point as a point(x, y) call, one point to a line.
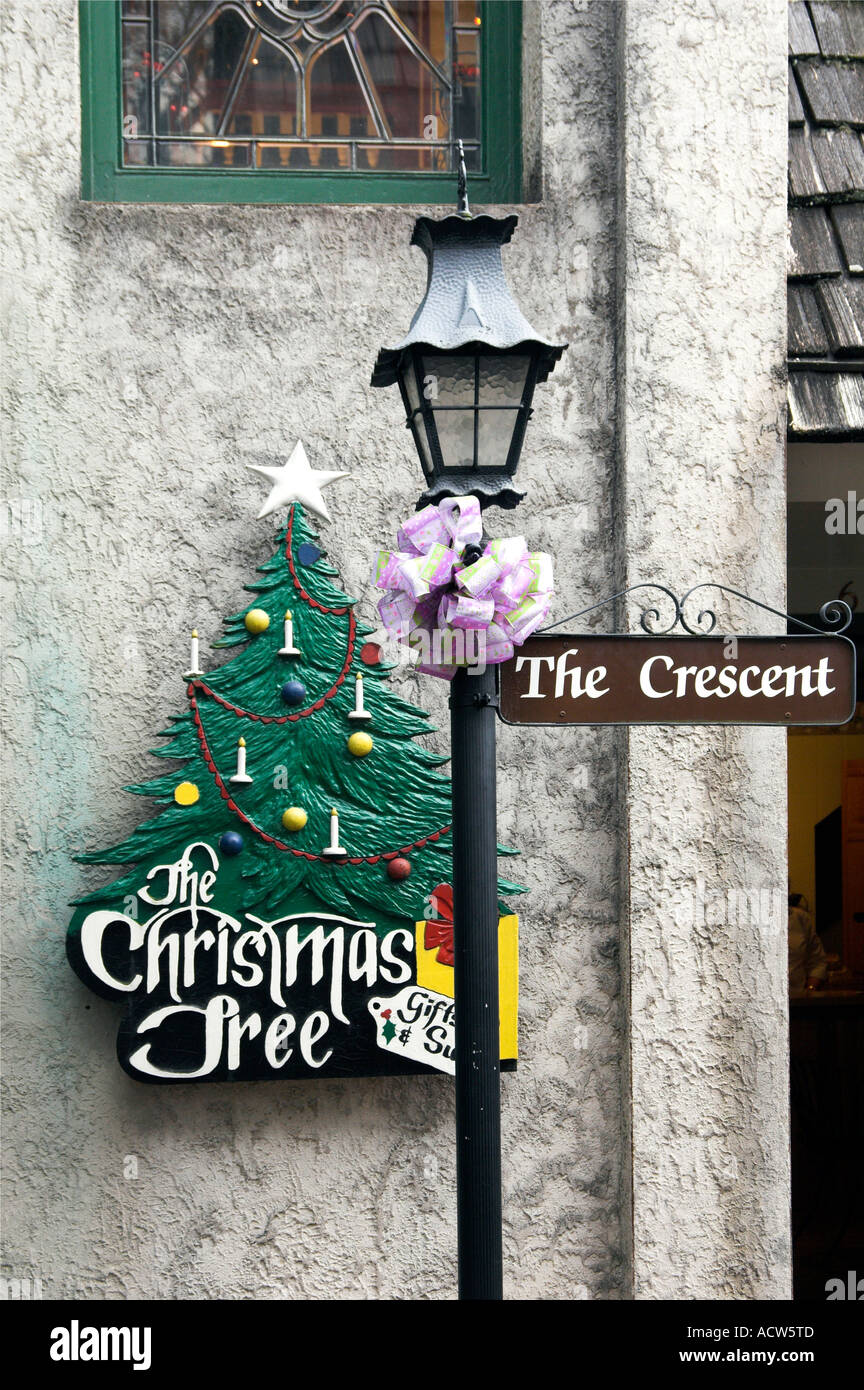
point(231, 843)
point(293, 692)
point(307, 553)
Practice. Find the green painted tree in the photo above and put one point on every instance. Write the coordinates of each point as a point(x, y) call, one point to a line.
point(292, 712)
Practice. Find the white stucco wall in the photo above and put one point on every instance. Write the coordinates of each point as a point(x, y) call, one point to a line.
point(154, 350)
point(702, 425)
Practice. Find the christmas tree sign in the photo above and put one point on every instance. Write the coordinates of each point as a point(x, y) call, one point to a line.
point(288, 911)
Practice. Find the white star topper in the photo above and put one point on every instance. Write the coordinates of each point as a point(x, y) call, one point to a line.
point(296, 481)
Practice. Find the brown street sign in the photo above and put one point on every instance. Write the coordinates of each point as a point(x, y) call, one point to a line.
point(556, 678)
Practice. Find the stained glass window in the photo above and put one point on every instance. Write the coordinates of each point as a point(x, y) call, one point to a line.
point(379, 86)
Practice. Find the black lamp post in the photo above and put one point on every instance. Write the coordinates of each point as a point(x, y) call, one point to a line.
point(467, 371)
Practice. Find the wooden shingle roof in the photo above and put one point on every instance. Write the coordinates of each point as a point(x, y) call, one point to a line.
point(826, 219)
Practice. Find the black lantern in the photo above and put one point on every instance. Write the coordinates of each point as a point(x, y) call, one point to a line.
point(469, 363)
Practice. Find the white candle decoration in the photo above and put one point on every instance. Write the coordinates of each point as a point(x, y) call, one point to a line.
point(194, 668)
point(334, 848)
point(359, 711)
point(288, 648)
point(240, 774)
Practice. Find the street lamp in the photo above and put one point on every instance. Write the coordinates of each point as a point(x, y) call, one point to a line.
point(469, 363)
point(467, 369)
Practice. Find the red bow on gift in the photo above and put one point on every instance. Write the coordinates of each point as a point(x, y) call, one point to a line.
point(439, 930)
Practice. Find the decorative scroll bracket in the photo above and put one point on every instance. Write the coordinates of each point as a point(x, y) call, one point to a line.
point(835, 615)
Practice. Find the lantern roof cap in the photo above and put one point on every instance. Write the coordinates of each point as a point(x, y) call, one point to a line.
point(467, 299)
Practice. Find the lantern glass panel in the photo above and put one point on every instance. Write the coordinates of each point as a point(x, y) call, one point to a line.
point(467, 411)
point(411, 396)
point(455, 437)
point(409, 378)
point(494, 435)
point(449, 381)
point(448, 384)
point(502, 378)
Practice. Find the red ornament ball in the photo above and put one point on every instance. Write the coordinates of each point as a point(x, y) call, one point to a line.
point(398, 869)
point(370, 653)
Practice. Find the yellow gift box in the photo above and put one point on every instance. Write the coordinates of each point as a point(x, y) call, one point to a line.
point(431, 974)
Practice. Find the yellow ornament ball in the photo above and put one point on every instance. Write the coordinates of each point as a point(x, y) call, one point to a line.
point(294, 818)
point(360, 745)
point(186, 794)
point(256, 620)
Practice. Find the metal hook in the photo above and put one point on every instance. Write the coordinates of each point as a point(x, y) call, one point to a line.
point(462, 187)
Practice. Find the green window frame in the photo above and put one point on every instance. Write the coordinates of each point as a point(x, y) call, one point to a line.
point(105, 180)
